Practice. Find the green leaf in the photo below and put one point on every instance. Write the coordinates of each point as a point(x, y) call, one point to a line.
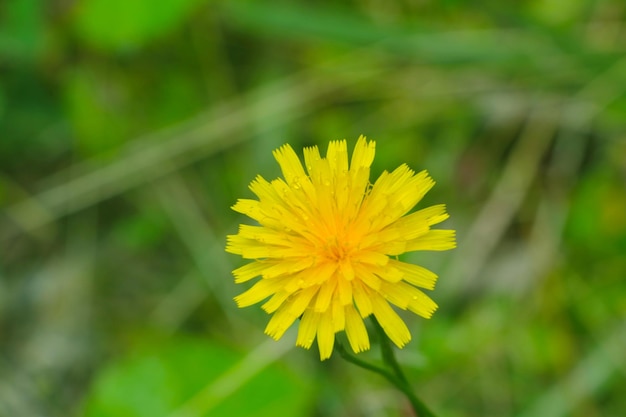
point(128, 24)
point(165, 379)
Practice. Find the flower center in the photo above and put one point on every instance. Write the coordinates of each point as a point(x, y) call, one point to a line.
point(337, 250)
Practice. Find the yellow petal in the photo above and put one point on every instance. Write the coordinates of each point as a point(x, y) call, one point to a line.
point(264, 235)
point(339, 316)
point(318, 274)
point(287, 267)
point(276, 301)
point(290, 165)
point(337, 156)
point(344, 291)
point(406, 296)
point(355, 330)
point(263, 189)
point(312, 160)
point(253, 249)
point(362, 298)
point(415, 274)
point(308, 328)
point(302, 300)
point(249, 271)
point(436, 239)
point(281, 320)
point(433, 214)
point(389, 320)
point(325, 295)
point(399, 191)
point(422, 305)
point(259, 291)
point(363, 154)
point(387, 272)
point(325, 335)
point(370, 257)
point(346, 269)
point(366, 276)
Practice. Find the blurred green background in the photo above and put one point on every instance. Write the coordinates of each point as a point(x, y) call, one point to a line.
point(128, 129)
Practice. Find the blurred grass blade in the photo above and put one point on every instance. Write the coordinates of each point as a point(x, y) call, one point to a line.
point(160, 153)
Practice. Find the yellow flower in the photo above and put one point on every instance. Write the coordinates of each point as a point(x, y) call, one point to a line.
point(327, 245)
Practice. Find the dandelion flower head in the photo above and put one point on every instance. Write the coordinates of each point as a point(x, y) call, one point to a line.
point(327, 243)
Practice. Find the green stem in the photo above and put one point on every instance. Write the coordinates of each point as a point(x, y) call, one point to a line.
point(365, 365)
point(392, 373)
point(389, 358)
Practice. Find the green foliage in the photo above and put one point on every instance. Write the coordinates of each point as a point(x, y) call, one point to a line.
point(22, 29)
point(96, 112)
point(597, 222)
point(184, 374)
point(121, 24)
point(142, 231)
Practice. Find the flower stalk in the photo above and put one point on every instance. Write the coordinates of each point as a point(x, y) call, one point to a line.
point(392, 371)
